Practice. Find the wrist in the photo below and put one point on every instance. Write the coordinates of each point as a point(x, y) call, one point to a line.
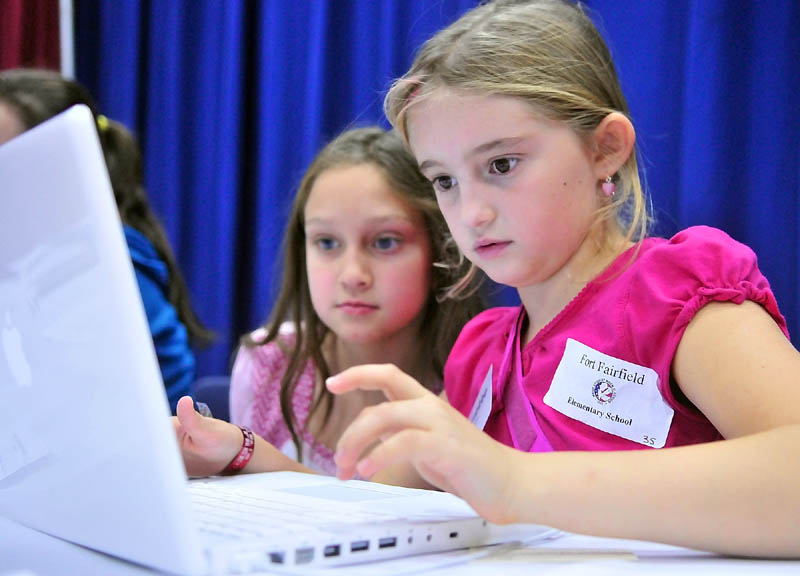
point(514, 496)
point(244, 455)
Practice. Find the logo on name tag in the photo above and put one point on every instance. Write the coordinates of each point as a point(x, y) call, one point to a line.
point(604, 391)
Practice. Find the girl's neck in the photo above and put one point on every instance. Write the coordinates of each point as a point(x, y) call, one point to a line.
point(403, 350)
point(545, 300)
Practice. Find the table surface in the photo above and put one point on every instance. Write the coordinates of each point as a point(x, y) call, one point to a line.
point(25, 552)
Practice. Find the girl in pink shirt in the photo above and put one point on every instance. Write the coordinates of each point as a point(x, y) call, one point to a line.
point(367, 261)
point(645, 388)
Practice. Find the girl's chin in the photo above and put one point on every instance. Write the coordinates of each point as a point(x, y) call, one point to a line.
point(504, 279)
point(360, 338)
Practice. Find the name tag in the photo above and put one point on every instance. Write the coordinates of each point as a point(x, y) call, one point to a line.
point(612, 395)
point(483, 402)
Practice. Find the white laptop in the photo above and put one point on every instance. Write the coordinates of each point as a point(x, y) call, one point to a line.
point(87, 451)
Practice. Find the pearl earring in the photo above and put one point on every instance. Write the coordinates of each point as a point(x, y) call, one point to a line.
point(609, 188)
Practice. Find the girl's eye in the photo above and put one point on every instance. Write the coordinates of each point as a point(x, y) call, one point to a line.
point(386, 243)
point(443, 183)
point(502, 165)
point(326, 244)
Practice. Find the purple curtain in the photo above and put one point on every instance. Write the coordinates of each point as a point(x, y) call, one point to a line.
point(29, 34)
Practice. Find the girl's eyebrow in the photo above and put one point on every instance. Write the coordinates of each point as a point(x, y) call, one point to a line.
point(478, 150)
point(370, 221)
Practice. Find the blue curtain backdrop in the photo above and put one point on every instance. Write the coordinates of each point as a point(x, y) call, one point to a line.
point(231, 99)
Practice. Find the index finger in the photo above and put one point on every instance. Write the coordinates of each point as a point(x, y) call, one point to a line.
point(388, 378)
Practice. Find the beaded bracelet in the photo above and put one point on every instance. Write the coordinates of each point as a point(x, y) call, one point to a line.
point(245, 453)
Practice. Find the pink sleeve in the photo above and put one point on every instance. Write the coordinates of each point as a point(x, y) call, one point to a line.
point(678, 277)
point(255, 390)
point(480, 344)
point(242, 391)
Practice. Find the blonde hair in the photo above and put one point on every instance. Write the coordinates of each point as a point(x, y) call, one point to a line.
point(549, 54)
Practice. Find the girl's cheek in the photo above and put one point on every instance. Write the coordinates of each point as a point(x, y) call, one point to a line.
point(411, 280)
point(321, 282)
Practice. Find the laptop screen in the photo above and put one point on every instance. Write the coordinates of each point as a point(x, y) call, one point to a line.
point(76, 357)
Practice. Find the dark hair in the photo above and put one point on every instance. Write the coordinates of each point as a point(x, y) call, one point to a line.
point(36, 95)
point(443, 317)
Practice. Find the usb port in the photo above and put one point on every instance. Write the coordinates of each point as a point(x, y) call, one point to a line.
point(359, 545)
point(331, 550)
point(303, 555)
point(276, 557)
point(453, 534)
point(389, 542)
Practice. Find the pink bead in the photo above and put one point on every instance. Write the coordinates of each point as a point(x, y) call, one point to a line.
point(609, 188)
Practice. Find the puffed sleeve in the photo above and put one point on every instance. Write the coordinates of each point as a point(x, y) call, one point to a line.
point(675, 278)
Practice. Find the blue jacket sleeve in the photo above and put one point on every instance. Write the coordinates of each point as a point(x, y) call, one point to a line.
point(170, 338)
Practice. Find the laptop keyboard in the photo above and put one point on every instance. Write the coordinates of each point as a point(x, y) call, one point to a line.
point(248, 527)
point(232, 513)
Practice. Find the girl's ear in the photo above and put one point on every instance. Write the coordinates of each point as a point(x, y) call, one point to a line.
point(614, 138)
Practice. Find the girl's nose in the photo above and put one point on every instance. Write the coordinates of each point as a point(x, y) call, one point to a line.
point(356, 274)
point(476, 211)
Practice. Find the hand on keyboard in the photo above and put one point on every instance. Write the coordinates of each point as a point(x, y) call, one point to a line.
point(207, 444)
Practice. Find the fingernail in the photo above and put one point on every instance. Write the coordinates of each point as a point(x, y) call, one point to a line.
point(363, 468)
point(331, 380)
